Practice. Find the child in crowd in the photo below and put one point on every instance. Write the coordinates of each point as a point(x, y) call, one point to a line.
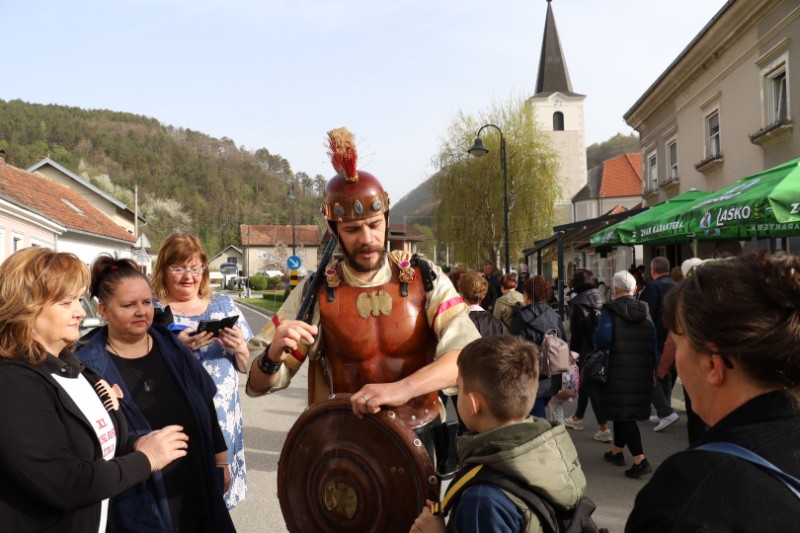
point(497, 381)
point(568, 392)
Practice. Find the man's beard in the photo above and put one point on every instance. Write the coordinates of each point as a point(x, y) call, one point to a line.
point(360, 266)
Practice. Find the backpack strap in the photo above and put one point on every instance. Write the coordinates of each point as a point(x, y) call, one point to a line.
point(729, 448)
point(425, 270)
point(467, 478)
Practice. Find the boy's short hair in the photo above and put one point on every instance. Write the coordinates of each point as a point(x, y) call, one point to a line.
point(504, 369)
point(473, 287)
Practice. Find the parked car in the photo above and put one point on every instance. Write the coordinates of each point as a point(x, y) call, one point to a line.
point(92, 319)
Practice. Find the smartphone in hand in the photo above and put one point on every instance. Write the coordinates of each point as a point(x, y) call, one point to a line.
point(214, 326)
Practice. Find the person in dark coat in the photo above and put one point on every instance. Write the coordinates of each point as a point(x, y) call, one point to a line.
point(163, 383)
point(627, 330)
point(65, 448)
point(653, 295)
point(473, 288)
point(532, 322)
point(743, 375)
point(584, 316)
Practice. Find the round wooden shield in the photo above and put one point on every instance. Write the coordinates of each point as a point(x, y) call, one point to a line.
point(338, 473)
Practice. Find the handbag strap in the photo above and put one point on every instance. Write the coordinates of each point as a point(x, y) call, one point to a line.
point(789, 481)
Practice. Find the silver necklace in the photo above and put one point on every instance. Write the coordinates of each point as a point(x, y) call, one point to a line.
point(144, 381)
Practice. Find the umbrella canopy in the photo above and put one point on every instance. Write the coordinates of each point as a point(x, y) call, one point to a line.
point(660, 222)
point(764, 205)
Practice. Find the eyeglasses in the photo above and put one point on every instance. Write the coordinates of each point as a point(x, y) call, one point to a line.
point(194, 271)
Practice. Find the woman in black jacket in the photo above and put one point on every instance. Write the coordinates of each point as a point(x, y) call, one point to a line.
point(63, 453)
point(627, 331)
point(736, 325)
point(585, 309)
point(532, 322)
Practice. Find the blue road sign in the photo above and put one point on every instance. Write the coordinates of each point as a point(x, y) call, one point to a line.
point(294, 263)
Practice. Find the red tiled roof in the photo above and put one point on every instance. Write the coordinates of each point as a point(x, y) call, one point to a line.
point(269, 235)
point(53, 200)
point(622, 176)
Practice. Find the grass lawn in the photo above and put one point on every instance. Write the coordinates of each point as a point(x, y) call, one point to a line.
point(269, 300)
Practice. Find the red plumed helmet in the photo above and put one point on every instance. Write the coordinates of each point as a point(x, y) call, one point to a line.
point(351, 194)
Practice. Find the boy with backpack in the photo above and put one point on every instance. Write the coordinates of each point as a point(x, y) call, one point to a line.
point(517, 472)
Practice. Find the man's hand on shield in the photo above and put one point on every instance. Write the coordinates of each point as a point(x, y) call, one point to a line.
point(370, 398)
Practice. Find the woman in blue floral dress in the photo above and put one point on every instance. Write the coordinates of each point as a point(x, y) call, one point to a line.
point(181, 283)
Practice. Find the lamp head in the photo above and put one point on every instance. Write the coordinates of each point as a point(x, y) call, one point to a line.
point(478, 149)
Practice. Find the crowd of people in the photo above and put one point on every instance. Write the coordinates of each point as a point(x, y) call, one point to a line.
point(138, 425)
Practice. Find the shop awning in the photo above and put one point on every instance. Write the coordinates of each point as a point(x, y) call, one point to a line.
point(658, 223)
point(765, 205)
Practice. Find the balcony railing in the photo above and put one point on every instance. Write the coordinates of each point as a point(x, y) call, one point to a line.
point(774, 132)
point(709, 162)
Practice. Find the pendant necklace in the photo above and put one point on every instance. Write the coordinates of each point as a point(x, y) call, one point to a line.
point(144, 381)
point(185, 312)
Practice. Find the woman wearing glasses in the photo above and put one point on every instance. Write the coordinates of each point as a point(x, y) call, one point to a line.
point(736, 326)
point(181, 289)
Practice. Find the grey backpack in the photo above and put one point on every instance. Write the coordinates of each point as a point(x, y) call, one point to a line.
point(554, 357)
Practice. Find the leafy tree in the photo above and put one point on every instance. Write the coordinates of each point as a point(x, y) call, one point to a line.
point(616, 145)
point(469, 190)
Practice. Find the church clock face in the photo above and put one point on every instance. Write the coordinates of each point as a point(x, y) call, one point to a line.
point(557, 103)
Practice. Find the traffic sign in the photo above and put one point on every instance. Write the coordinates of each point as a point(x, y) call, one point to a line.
point(294, 263)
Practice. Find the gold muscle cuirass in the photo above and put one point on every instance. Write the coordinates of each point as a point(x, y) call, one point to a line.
point(375, 335)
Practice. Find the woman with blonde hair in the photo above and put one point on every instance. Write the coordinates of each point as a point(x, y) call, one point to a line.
point(183, 292)
point(64, 450)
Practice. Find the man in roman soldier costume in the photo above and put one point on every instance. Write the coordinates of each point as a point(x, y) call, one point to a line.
point(386, 327)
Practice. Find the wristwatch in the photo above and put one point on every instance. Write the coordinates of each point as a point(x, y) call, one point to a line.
point(267, 365)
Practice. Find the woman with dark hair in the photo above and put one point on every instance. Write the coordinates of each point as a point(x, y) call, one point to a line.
point(532, 322)
point(736, 326)
point(65, 449)
point(162, 384)
point(584, 316)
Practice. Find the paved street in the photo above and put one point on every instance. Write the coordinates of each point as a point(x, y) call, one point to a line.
point(268, 419)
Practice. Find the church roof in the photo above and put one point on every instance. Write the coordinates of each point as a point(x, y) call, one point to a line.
point(553, 75)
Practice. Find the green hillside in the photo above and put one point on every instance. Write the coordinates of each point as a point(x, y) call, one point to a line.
point(186, 180)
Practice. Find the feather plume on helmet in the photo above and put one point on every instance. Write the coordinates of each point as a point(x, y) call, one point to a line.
point(351, 194)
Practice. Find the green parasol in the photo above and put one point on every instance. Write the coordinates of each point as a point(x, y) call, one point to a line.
point(660, 222)
point(764, 205)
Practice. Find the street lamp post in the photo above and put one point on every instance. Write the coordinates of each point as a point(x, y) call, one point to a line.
point(290, 197)
point(479, 150)
point(246, 287)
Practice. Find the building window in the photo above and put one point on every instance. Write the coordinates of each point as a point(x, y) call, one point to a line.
point(672, 154)
point(231, 260)
point(652, 172)
point(16, 244)
point(777, 98)
point(558, 121)
point(713, 147)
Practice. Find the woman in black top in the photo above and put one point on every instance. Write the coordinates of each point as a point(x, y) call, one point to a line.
point(65, 448)
point(163, 383)
point(736, 325)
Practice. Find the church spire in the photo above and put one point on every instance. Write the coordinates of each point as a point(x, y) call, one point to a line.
point(553, 75)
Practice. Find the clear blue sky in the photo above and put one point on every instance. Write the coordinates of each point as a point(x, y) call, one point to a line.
point(280, 74)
